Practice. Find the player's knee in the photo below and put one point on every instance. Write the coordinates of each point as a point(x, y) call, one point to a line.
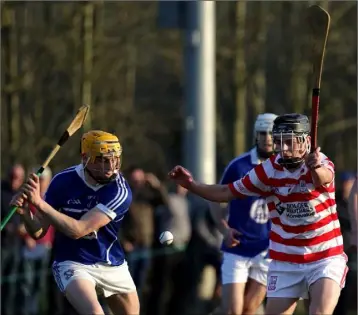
point(233, 298)
point(318, 311)
point(251, 307)
point(235, 309)
point(96, 309)
point(324, 295)
point(321, 308)
point(252, 301)
point(248, 309)
point(126, 304)
point(133, 303)
point(134, 307)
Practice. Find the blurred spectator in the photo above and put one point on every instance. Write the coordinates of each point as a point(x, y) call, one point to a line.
point(344, 185)
point(350, 292)
point(169, 272)
point(36, 258)
point(10, 243)
point(9, 187)
point(353, 215)
point(138, 229)
point(203, 259)
point(348, 228)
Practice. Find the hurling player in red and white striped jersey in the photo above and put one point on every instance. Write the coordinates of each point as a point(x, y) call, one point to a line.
point(306, 244)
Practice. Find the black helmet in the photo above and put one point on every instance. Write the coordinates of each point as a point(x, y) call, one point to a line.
point(292, 123)
point(296, 125)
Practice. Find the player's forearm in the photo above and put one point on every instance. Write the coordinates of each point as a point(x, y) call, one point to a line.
point(33, 225)
point(63, 223)
point(321, 176)
point(216, 193)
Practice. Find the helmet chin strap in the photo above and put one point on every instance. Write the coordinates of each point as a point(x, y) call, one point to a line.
point(291, 163)
point(294, 162)
point(101, 181)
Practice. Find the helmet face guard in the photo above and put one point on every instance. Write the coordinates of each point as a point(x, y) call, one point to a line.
point(101, 153)
point(291, 139)
point(292, 148)
point(104, 168)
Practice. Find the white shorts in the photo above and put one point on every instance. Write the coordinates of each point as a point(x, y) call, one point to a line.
point(291, 280)
point(109, 280)
point(237, 269)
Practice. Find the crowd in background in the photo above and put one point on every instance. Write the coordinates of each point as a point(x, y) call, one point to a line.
point(183, 278)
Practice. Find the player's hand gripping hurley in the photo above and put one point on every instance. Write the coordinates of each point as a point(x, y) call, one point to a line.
point(76, 124)
point(319, 22)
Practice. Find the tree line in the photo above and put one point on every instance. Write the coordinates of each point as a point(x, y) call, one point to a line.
point(113, 56)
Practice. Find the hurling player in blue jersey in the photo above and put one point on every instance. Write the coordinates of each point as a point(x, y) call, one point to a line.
point(86, 204)
point(246, 233)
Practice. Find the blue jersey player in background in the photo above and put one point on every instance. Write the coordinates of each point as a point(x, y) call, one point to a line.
point(246, 232)
point(86, 204)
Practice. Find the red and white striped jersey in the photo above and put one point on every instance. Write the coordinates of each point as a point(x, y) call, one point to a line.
point(305, 226)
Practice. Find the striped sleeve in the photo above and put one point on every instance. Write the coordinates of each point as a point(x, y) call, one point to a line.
point(326, 162)
point(254, 183)
point(115, 200)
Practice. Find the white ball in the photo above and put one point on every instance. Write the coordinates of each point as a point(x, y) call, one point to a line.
point(166, 238)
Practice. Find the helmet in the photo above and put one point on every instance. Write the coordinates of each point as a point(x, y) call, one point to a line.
point(264, 123)
point(97, 144)
point(294, 125)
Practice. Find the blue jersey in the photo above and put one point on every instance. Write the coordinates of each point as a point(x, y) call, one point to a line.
point(70, 194)
point(250, 215)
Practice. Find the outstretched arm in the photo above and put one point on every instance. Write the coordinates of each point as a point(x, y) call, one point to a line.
point(249, 185)
point(218, 193)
